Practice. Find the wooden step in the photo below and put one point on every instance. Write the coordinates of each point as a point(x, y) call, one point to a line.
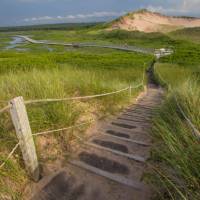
point(132, 119)
point(119, 179)
point(127, 155)
point(127, 139)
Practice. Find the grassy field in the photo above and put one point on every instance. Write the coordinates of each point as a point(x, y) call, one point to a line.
point(42, 71)
point(39, 73)
point(191, 34)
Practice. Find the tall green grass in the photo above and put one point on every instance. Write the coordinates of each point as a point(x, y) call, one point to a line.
point(191, 34)
point(41, 75)
point(67, 82)
point(175, 157)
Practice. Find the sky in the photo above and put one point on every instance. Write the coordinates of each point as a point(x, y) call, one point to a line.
point(27, 12)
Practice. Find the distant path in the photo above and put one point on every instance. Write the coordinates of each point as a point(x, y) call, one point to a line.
point(122, 48)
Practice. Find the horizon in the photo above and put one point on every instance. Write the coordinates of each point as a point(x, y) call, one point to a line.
point(95, 22)
point(35, 12)
point(30, 25)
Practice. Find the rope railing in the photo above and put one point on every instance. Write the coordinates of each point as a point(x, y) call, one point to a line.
point(2, 101)
point(196, 132)
point(45, 133)
point(81, 97)
point(194, 129)
point(74, 98)
point(6, 108)
point(9, 155)
point(63, 129)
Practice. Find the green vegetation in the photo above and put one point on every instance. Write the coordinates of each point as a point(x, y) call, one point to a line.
point(150, 40)
point(39, 73)
point(4, 41)
point(191, 34)
point(65, 72)
point(185, 54)
point(176, 158)
point(58, 75)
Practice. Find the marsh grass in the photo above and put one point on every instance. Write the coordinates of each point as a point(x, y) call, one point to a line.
point(176, 159)
point(39, 75)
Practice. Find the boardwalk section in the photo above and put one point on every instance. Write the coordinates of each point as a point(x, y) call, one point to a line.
point(110, 165)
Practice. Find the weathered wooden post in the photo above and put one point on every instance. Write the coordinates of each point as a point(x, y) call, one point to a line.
point(21, 123)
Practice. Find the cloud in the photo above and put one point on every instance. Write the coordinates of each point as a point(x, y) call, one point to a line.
point(190, 5)
point(183, 7)
point(161, 9)
point(75, 17)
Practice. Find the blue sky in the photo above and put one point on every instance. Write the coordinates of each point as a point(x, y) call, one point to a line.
point(23, 12)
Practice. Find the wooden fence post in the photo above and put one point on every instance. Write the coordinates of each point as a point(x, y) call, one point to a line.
point(21, 123)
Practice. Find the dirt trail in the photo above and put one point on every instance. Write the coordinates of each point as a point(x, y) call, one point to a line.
point(111, 164)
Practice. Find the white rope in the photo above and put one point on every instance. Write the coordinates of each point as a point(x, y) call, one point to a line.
point(42, 133)
point(4, 109)
point(63, 129)
point(2, 101)
point(75, 98)
point(141, 84)
point(10, 154)
point(195, 130)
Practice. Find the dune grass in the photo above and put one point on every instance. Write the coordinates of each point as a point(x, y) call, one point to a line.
point(38, 74)
point(175, 157)
point(191, 34)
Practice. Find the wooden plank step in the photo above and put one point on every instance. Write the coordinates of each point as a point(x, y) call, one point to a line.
point(136, 116)
point(139, 113)
point(139, 110)
point(149, 103)
point(132, 123)
point(123, 130)
point(141, 106)
point(136, 135)
point(127, 155)
point(116, 178)
point(136, 106)
point(127, 139)
point(133, 120)
point(123, 125)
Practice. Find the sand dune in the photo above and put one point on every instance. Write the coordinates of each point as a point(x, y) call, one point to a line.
point(147, 21)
